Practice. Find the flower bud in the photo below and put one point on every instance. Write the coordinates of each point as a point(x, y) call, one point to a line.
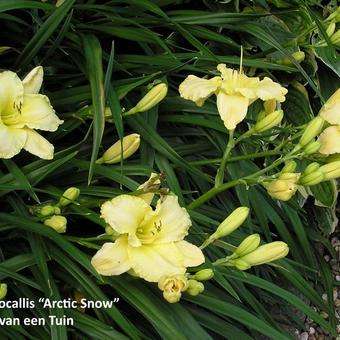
point(333, 158)
point(330, 140)
point(313, 128)
point(151, 99)
point(58, 223)
point(269, 121)
point(330, 29)
point(330, 110)
point(231, 223)
point(3, 290)
point(70, 195)
point(284, 187)
point(195, 287)
point(335, 38)
point(311, 148)
point(241, 265)
point(289, 167)
point(47, 210)
point(299, 57)
point(204, 274)
point(248, 245)
point(312, 178)
point(113, 154)
point(330, 170)
point(57, 210)
point(311, 168)
point(267, 253)
point(335, 16)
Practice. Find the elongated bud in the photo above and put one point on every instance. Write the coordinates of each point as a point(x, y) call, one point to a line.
point(299, 57)
point(57, 222)
point(264, 254)
point(204, 274)
point(330, 110)
point(113, 154)
point(248, 245)
point(3, 290)
point(312, 130)
point(32, 82)
point(269, 121)
point(311, 168)
point(335, 38)
point(231, 223)
point(195, 287)
point(330, 170)
point(289, 167)
point(70, 195)
point(312, 178)
point(151, 99)
point(330, 29)
point(312, 148)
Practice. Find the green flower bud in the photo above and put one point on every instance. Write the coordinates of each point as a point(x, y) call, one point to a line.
point(311, 148)
point(311, 131)
point(335, 38)
point(264, 254)
point(299, 57)
point(330, 29)
point(290, 166)
point(312, 179)
point(195, 287)
point(112, 155)
point(231, 223)
point(151, 99)
point(330, 170)
point(70, 195)
point(3, 290)
point(248, 245)
point(57, 210)
point(269, 121)
point(47, 210)
point(311, 168)
point(58, 223)
point(204, 274)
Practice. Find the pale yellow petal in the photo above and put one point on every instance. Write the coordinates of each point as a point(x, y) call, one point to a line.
point(11, 92)
point(267, 89)
point(232, 109)
point(33, 80)
point(192, 255)
point(125, 213)
point(331, 109)
point(11, 141)
point(330, 140)
point(38, 145)
point(198, 89)
point(153, 261)
point(37, 113)
point(173, 220)
point(112, 258)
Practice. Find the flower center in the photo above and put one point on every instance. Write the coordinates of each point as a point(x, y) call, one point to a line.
point(148, 232)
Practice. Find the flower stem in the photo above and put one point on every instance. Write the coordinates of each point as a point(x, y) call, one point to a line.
point(220, 172)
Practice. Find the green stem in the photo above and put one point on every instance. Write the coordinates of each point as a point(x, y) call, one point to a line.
point(220, 172)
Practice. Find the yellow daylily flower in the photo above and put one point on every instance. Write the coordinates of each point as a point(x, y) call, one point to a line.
point(151, 242)
point(172, 287)
point(330, 140)
point(330, 111)
point(234, 91)
point(23, 109)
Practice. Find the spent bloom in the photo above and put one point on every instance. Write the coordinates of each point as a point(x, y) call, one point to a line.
point(22, 110)
point(172, 287)
point(284, 187)
point(234, 92)
point(151, 241)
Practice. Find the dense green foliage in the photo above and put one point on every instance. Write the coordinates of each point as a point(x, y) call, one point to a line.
point(93, 51)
